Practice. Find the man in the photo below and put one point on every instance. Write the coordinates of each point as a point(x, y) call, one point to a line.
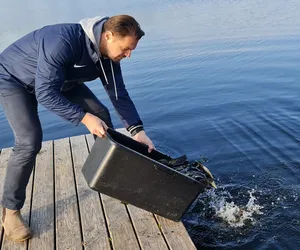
point(48, 66)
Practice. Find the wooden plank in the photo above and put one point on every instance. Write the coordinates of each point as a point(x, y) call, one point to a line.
point(95, 235)
point(147, 230)
point(90, 141)
point(42, 214)
point(4, 156)
point(68, 233)
point(119, 224)
point(175, 234)
point(11, 245)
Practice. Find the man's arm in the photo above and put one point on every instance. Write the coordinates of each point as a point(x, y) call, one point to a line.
point(54, 54)
point(121, 100)
point(126, 108)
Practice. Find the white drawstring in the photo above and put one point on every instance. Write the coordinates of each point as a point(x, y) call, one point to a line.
point(113, 76)
point(103, 71)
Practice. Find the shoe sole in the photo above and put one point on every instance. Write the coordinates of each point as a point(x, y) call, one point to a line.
point(20, 240)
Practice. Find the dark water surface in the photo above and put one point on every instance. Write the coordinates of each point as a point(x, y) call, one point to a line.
point(216, 80)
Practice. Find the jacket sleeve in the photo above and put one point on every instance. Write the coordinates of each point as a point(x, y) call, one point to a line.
point(54, 54)
point(121, 99)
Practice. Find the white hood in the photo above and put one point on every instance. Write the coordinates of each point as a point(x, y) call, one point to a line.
point(93, 29)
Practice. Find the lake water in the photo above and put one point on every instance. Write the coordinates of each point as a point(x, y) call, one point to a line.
point(218, 81)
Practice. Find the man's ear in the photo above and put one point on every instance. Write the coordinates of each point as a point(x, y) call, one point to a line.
point(109, 36)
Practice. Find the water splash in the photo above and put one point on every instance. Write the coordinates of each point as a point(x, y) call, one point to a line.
point(233, 214)
point(237, 216)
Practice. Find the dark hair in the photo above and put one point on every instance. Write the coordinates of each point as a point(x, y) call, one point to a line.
point(124, 25)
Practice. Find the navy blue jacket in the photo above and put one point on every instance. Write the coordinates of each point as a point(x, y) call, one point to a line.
point(54, 57)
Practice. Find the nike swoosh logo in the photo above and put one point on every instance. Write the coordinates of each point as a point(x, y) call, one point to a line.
point(79, 66)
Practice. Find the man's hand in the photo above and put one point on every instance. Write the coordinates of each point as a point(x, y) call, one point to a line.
point(94, 124)
point(143, 138)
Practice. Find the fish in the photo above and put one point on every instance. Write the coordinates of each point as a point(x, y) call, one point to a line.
point(208, 174)
point(194, 169)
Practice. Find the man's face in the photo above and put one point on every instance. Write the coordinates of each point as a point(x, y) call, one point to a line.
point(116, 47)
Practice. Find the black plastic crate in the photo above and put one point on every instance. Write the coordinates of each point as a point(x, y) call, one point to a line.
point(121, 167)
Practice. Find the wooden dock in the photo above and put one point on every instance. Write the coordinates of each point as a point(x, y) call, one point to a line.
point(65, 213)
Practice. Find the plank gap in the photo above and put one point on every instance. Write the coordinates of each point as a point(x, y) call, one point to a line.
point(68, 233)
point(106, 222)
point(90, 139)
point(4, 157)
point(176, 234)
point(134, 230)
point(31, 195)
point(76, 192)
point(31, 200)
point(161, 231)
point(54, 200)
point(2, 232)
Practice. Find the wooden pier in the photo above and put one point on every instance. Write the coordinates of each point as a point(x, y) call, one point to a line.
point(65, 213)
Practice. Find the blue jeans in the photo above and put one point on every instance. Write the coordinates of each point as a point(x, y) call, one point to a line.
point(20, 108)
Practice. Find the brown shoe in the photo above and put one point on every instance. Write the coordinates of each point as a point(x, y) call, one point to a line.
point(14, 225)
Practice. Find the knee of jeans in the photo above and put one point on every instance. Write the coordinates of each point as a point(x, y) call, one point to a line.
point(104, 115)
point(102, 111)
point(29, 146)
